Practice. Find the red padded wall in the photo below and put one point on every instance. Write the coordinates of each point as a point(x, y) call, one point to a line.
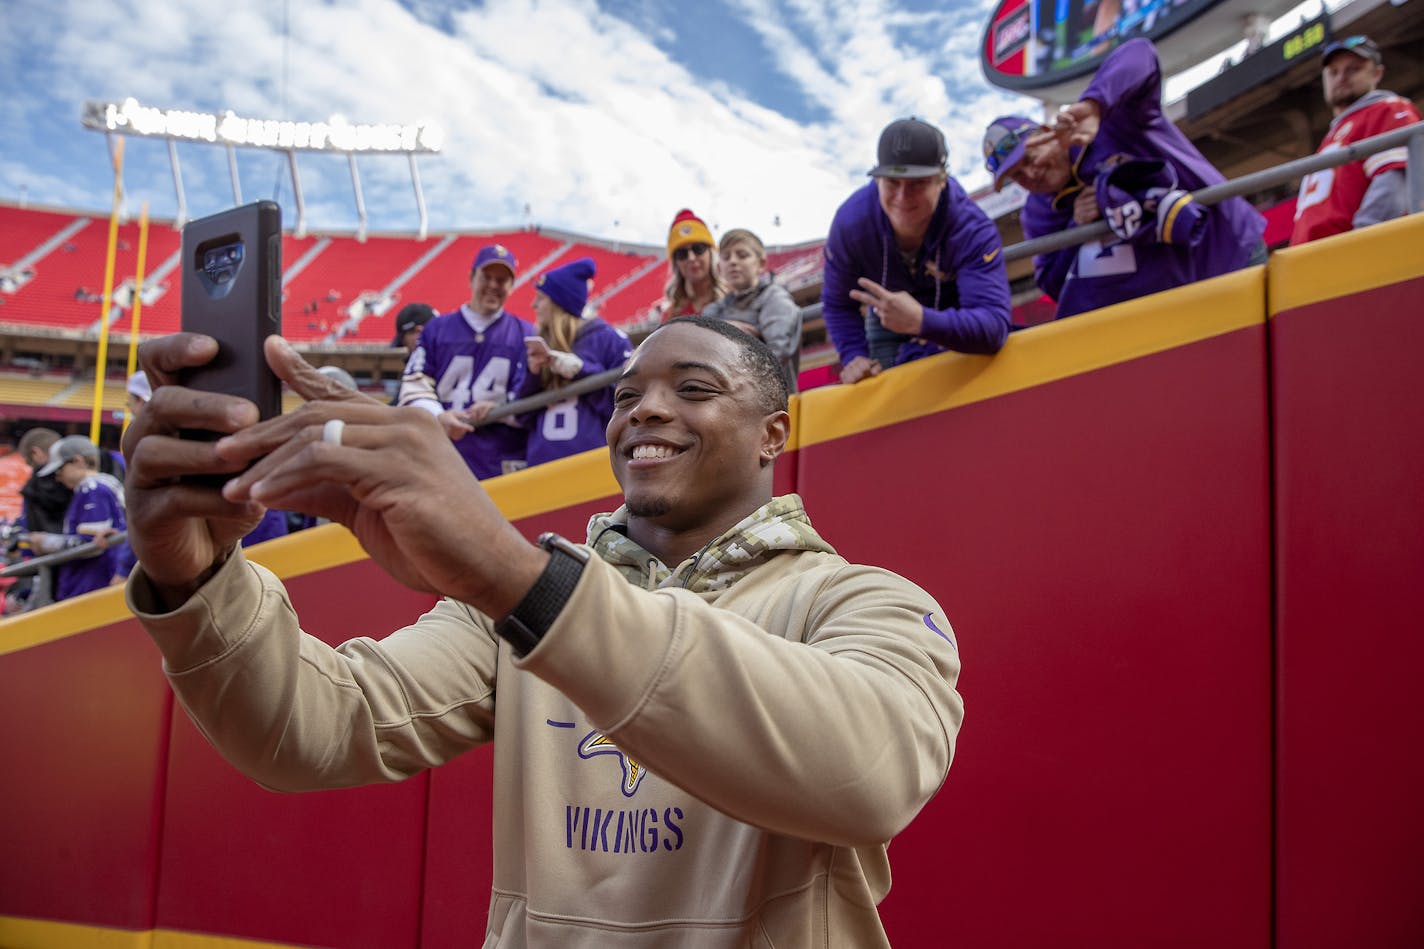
point(85, 739)
point(1101, 547)
point(1349, 398)
point(337, 868)
point(1102, 543)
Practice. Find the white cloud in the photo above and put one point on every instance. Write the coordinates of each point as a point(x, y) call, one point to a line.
point(556, 104)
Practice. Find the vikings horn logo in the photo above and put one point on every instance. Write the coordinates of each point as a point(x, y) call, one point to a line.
point(901, 144)
point(596, 743)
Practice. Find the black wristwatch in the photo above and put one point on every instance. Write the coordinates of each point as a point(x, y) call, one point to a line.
point(531, 619)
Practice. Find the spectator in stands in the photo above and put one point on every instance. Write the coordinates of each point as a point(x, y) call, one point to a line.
point(465, 362)
point(95, 513)
point(1114, 150)
point(1374, 189)
point(45, 499)
point(693, 284)
point(137, 391)
point(755, 302)
point(794, 712)
point(568, 347)
point(409, 322)
point(912, 248)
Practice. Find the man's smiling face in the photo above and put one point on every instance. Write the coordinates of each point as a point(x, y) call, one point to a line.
point(691, 439)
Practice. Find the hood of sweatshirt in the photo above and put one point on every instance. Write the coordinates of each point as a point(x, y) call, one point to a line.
point(779, 525)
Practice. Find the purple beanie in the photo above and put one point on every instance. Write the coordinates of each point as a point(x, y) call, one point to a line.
point(567, 286)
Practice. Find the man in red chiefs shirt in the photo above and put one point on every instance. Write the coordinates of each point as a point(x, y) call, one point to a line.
point(1335, 200)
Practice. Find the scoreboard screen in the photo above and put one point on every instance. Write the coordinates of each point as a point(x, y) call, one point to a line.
point(1030, 44)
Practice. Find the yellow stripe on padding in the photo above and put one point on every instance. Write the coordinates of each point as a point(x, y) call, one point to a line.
point(308, 551)
point(20, 933)
point(553, 485)
point(1347, 264)
point(170, 939)
point(1038, 355)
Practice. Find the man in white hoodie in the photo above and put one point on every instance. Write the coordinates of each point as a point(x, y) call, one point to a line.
point(707, 726)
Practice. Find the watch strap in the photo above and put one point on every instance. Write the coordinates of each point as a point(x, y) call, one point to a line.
point(527, 623)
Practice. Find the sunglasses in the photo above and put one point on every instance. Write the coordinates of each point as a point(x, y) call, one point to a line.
point(691, 250)
point(1004, 146)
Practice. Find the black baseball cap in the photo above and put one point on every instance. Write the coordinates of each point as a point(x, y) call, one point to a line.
point(910, 148)
point(412, 316)
point(1361, 46)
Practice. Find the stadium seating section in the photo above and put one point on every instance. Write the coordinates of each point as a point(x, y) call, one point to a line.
point(336, 288)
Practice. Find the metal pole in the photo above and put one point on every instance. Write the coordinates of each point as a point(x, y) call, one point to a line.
point(301, 228)
point(540, 399)
point(232, 173)
point(1415, 172)
point(182, 217)
point(116, 150)
point(360, 201)
point(419, 195)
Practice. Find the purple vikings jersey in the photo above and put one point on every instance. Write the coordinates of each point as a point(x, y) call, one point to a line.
point(95, 509)
point(457, 366)
point(1128, 90)
point(577, 424)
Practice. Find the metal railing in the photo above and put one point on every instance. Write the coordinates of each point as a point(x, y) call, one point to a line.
point(25, 568)
point(42, 567)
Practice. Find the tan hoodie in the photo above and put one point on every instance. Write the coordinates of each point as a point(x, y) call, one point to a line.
point(716, 761)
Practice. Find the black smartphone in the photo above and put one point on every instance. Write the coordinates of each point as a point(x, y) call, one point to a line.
point(232, 291)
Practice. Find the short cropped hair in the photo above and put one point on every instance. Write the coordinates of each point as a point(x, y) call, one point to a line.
point(740, 235)
point(758, 360)
point(40, 438)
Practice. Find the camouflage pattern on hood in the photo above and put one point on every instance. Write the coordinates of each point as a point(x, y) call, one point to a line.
point(780, 524)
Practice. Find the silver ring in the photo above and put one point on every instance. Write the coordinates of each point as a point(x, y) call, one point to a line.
point(331, 431)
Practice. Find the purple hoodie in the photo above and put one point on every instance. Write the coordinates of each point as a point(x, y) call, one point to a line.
point(958, 276)
point(1128, 90)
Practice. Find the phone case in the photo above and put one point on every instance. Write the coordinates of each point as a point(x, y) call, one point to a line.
point(232, 291)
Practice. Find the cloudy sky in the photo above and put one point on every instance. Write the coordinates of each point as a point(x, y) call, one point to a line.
point(599, 117)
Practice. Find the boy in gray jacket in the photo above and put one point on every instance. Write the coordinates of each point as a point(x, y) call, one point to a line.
point(756, 303)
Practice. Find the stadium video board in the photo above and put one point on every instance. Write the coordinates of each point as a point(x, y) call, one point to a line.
point(1031, 44)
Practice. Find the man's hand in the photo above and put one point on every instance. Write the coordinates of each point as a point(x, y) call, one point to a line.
point(479, 411)
point(861, 367)
point(537, 353)
point(898, 311)
point(1085, 207)
point(1077, 124)
point(393, 479)
point(455, 423)
point(179, 530)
